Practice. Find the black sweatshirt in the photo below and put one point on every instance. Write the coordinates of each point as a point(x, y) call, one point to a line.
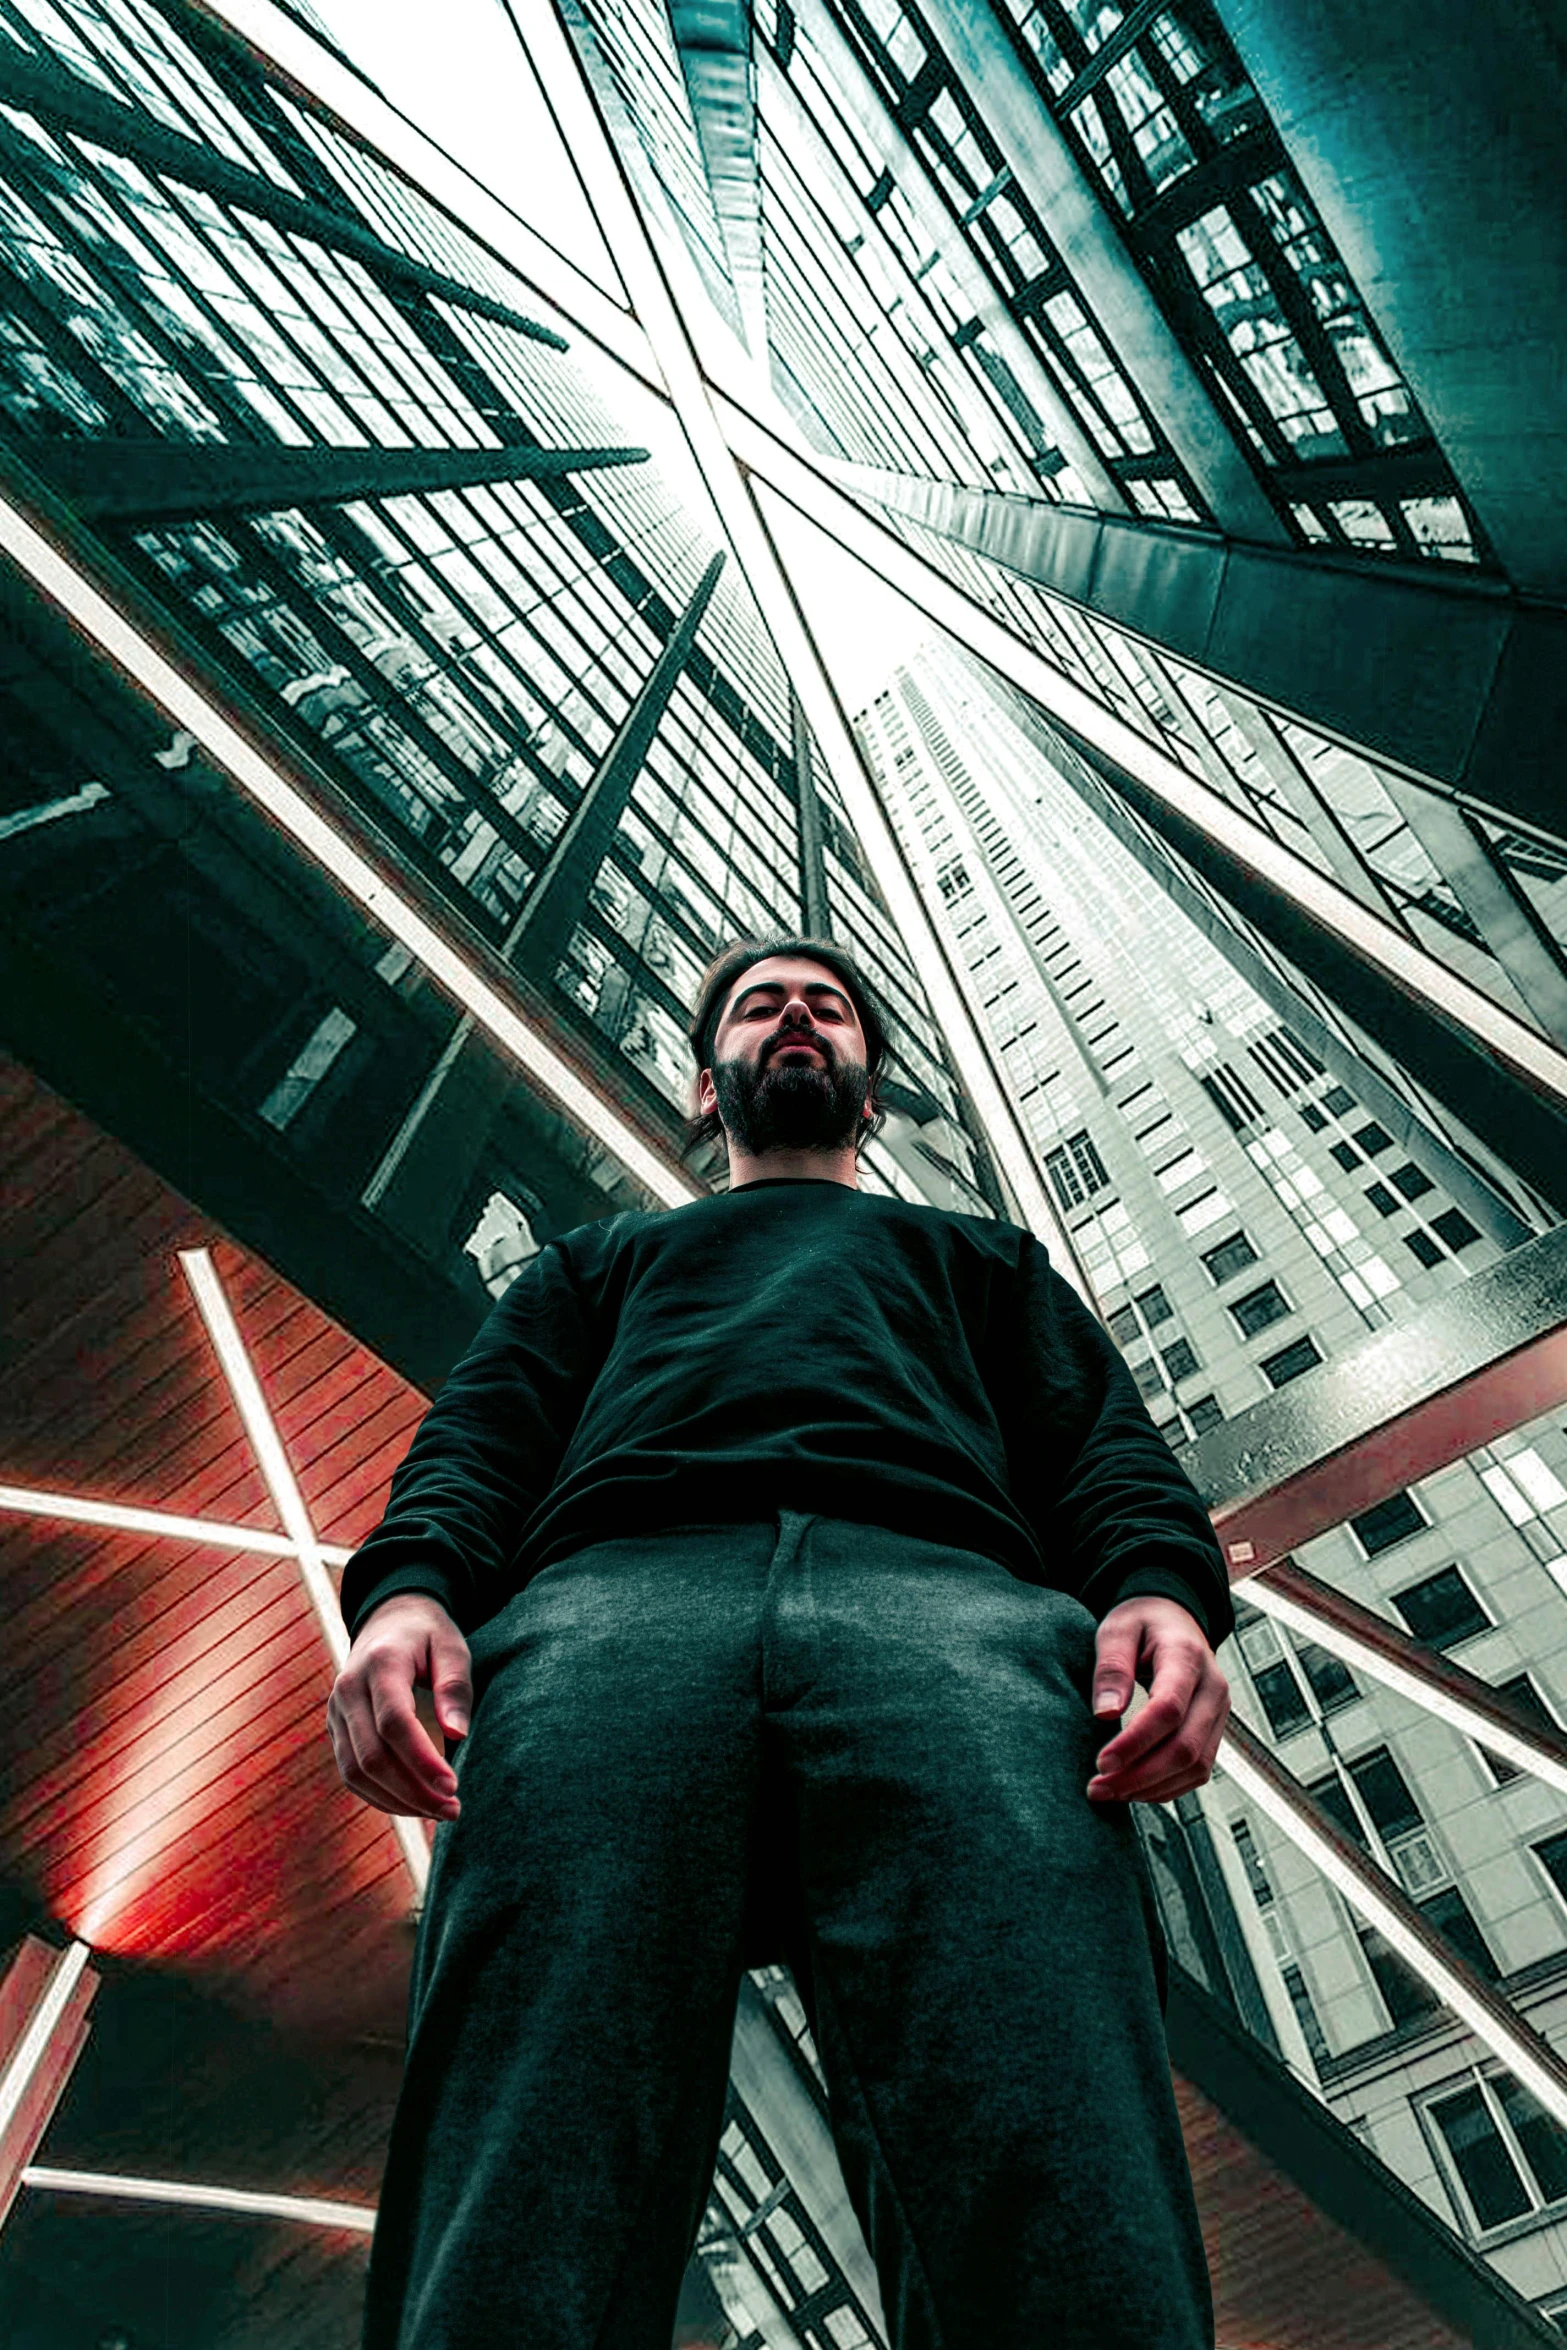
point(797, 1345)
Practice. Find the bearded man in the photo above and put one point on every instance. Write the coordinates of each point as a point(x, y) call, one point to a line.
point(777, 1565)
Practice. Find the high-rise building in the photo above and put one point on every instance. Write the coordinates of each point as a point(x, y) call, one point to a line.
point(1244, 1217)
point(432, 630)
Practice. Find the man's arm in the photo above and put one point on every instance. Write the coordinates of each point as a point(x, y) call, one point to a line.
point(438, 1563)
point(1114, 1512)
point(484, 1455)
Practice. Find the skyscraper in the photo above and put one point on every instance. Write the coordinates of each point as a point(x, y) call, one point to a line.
point(1244, 1217)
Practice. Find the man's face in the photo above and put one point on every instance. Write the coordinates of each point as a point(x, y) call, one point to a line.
point(789, 1060)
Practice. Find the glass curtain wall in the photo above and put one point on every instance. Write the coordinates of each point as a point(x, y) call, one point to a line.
point(195, 257)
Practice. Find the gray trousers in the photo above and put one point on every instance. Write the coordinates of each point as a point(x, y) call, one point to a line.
point(807, 1740)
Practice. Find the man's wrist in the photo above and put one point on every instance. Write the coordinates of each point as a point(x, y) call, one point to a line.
point(1161, 1582)
point(404, 1582)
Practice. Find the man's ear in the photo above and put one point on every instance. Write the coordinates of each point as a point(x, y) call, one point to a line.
point(706, 1094)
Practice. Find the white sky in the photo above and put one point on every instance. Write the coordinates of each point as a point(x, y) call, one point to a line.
point(459, 72)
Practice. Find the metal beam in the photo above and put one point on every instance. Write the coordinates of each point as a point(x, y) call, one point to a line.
point(235, 734)
point(1470, 1366)
point(67, 103)
point(44, 1997)
point(813, 868)
point(169, 481)
point(713, 40)
point(560, 890)
point(1449, 676)
point(289, 53)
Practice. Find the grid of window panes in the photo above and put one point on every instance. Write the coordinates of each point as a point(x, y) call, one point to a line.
point(1168, 129)
point(756, 2216)
point(911, 279)
point(832, 323)
point(1331, 805)
point(630, 53)
point(460, 660)
point(1362, 1049)
point(948, 129)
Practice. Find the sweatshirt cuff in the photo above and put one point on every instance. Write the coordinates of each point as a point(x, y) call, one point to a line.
point(424, 1578)
point(1211, 1609)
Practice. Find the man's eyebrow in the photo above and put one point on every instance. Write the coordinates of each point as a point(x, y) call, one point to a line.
point(812, 987)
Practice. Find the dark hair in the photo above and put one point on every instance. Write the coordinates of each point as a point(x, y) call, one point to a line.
point(717, 984)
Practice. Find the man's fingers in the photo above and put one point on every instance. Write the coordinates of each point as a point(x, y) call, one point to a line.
point(451, 1683)
point(386, 1767)
point(361, 1759)
point(1115, 1666)
point(1177, 1676)
point(402, 1732)
point(1180, 1760)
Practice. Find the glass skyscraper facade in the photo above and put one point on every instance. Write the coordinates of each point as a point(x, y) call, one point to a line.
point(417, 668)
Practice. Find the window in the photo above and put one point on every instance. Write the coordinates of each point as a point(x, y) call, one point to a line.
point(1382, 1199)
point(1282, 1701)
point(1229, 1257)
point(1441, 1610)
point(1338, 1100)
point(1455, 1228)
point(1373, 1138)
point(1290, 1362)
point(1123, 1326)
point(1385, 1793)
point(1251, 1861)
point(1509, 2156)
point(1528, 1700)
point(1206, 1412)
point(1149, 1378)
point(1234, 1100)
point(1333, 1684)
point(1410, 1180)
point(1180, 1360)
point(1337, 1802)
point(1260, 1307)
point(1405, 1996)
point(1154, 1306)
point(1450, 1912)
point(1393, 1520)
point(1076, 1169)
point(1551, 1853)
point(1312, 1117)
point(1346, 1154)
point(1421, 1245)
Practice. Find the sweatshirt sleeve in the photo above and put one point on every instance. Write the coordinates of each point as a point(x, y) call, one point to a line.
point(484, 1454)
point(1114, 1513)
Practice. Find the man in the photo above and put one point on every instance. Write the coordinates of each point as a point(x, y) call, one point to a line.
point(772, 1559)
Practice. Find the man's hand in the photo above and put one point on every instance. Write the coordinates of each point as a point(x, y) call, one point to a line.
point(383, 1753)
point(1171, 1745)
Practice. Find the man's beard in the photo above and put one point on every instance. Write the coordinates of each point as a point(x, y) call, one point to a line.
point(790, 1105)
